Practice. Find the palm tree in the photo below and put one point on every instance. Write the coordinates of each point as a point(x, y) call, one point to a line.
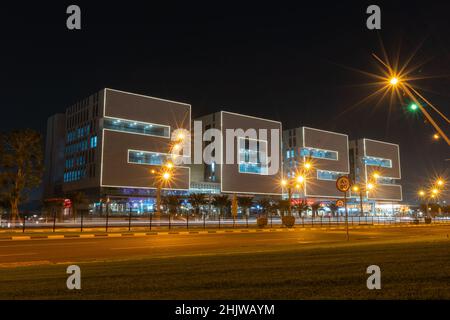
point(220, 202)
point(197, 200)
point(245, 203)
point(283, 206)
point(333, 208)
point(265, 204)
point(172, 202)
point(302, 206)
point(315, 208)
point(78, 199)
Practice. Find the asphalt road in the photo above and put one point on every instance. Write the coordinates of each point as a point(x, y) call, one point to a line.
point(41, 252)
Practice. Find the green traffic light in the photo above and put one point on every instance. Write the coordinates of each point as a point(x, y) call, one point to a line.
point(413, 107)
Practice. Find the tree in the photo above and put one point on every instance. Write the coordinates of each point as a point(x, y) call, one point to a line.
point(245, 203)
point(21, 166)
point(172, 202)
point(315, 208)
point(53, 209)
point(220, 202)
point(197, 200)
point(333, 208)
point(301, 207)
point(78, 199)
point(265, 204)
point(283, 206)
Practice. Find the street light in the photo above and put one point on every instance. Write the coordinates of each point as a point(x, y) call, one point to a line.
point(436, 136)
point(360, 189)
point(394, 81)
point(297, 182)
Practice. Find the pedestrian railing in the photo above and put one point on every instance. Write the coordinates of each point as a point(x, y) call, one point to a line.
point(172, 222)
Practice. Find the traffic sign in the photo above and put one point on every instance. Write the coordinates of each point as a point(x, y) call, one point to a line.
point(343, 184)
point(340, 203)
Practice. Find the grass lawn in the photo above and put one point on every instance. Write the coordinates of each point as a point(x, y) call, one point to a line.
point(408, 271)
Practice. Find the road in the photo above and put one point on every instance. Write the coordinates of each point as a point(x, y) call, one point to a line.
point(43, 251)
point(300, 264)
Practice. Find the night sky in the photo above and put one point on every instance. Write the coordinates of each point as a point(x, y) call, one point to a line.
point(275, 60)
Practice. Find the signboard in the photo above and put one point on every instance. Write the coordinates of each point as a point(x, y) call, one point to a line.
point(67, 203)
point(340, 203)
point(343, 184)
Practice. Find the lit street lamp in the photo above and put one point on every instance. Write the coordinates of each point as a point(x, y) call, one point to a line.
point(360, 189)
point(434, 192)
point(297, 182)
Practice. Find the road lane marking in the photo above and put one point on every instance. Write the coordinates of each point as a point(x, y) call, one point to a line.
point(18, 254)
point(46, 244)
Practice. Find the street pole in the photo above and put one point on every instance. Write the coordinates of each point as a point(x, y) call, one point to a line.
point(24, 222)
point(81, 226)
point(129, 219)
point(151, 215)
point(107, 215)
point(290, 200)
point(361, 202)
point(54, 219)
point(346, 214)
point(158, 199)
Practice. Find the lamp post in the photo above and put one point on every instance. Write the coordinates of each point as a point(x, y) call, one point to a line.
point(297, 182)
point(360, 189)
point(433, 192)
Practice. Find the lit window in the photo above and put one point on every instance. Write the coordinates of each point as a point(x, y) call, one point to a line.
point(327, 175)
point(319, 153)
point(137, 127)
point(93, 142)
point(252, 156)
point(379, 162)
point(143, 157)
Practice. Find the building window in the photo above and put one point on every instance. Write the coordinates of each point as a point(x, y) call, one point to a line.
point(379, 162)
point(319, 153)
point(385, 180)
point(93, 142)
point(137, 127)
point(252, 156)
point(143, 157)
point(328, 175)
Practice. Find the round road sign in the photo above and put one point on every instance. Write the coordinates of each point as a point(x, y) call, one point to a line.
point(343, 183)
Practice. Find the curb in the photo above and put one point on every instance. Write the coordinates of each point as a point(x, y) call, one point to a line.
point(198, 232)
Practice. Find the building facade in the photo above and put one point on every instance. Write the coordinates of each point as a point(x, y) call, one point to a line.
point(107, 145)
point(241, 154)
point(113, 140)
point(373, 166)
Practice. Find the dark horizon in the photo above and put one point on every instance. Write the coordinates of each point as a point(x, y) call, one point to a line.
point(286, 63)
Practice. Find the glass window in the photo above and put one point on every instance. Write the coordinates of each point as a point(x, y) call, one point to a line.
point(379, 162)
point(137, 127)
point(327, 175)
point(319, 153)
point(252, 156)
point(142, 157)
